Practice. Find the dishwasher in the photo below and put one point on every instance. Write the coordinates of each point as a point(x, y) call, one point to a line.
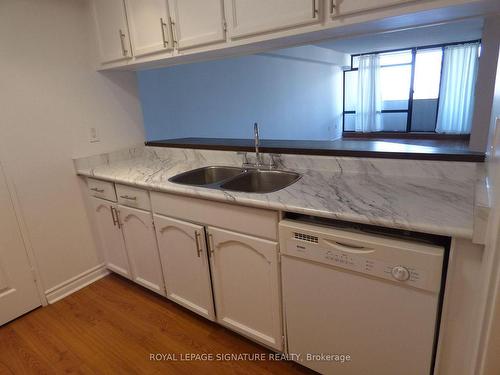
point(358, 303)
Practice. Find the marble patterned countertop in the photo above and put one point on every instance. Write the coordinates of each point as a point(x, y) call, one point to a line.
point(347, 189)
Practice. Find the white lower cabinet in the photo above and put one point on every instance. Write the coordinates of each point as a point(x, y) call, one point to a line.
point(185, 264)
point(140, 242)
point(246, 285)
point(115, 254)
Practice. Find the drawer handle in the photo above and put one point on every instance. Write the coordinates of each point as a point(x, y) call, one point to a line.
point(97, 190)
point(128, 197)
point(197, 239)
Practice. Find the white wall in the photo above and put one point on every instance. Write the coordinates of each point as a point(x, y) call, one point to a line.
point(50, 96)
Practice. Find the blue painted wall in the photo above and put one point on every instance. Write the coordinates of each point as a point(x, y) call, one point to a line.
point(289, 98)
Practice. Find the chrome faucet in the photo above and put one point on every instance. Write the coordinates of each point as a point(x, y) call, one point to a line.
point(258, 163)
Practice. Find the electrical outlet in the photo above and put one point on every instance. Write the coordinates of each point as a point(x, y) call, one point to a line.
point(94, 137)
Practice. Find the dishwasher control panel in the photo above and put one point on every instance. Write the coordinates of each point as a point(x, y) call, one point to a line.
point(395, 271)
point(405, 262)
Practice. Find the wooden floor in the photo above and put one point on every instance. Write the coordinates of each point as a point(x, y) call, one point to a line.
point(112, 326)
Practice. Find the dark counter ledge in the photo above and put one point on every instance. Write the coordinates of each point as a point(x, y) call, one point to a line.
point(389, 149)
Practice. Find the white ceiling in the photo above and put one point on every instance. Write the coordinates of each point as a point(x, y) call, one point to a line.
point(422, 36)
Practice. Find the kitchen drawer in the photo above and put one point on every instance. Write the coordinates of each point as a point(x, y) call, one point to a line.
point(254, 221)
point(133, 197)
point(102, 189)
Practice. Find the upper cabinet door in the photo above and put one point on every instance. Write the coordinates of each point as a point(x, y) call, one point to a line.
point(140, 242)
point(112, 30)
point(149, 26)
point(246, 285)
point(185, 264)
point(342, 8)
point(248, 17)
point(111, 237)
point(197, 22)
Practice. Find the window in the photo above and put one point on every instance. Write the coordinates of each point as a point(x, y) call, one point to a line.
point(409, 85)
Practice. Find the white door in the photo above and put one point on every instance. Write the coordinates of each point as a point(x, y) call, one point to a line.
point(111, 237)
point(140, 242)
point(197, 22)
point(246, 285)
point(112, 30)
point(248, 17)
point(184, 259)
point(149, 26)
point(342, 8)
point(18, 292)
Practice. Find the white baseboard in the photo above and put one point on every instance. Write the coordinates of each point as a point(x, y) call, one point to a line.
point(76, 283)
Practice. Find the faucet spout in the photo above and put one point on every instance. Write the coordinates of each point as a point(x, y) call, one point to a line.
point(257, 144)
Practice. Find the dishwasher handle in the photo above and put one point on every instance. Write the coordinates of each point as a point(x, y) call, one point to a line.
point(348, 248)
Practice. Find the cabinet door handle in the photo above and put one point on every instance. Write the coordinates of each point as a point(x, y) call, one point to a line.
point(122, 41)
point(97, 190)
point(314, 9)
point(128, 197)
point(211, 244)
point(163, 25)
point(197, 239)
point(173, 31)
point(113, 215)
point(117, 212)
point(333, 6)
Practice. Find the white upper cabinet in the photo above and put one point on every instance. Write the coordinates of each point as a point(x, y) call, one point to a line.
point(249, 17)
point(246, 285)
point(149, 26)
point(115, 254)
point(140, 242)
point(184, 259)
point(112, 30)
point(346, 7)
point(197, 22)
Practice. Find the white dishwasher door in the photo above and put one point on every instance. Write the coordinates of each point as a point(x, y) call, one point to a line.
point(348, 303)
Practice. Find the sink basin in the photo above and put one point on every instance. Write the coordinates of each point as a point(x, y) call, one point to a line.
point(261, 181)
point(206, 175)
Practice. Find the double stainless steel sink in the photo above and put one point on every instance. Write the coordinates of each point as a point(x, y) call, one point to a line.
point(237, 179)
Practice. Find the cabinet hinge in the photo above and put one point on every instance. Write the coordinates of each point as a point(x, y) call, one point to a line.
point(33, 273)
point(224, 25)
point(154, 226)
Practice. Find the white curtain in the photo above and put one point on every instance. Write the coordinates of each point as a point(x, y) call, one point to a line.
point(456, 96)
point(369, 100)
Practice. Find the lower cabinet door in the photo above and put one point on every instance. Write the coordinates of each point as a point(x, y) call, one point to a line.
point(140, 242)
point(184, 259)
point(111, 237)
point(246, 285)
